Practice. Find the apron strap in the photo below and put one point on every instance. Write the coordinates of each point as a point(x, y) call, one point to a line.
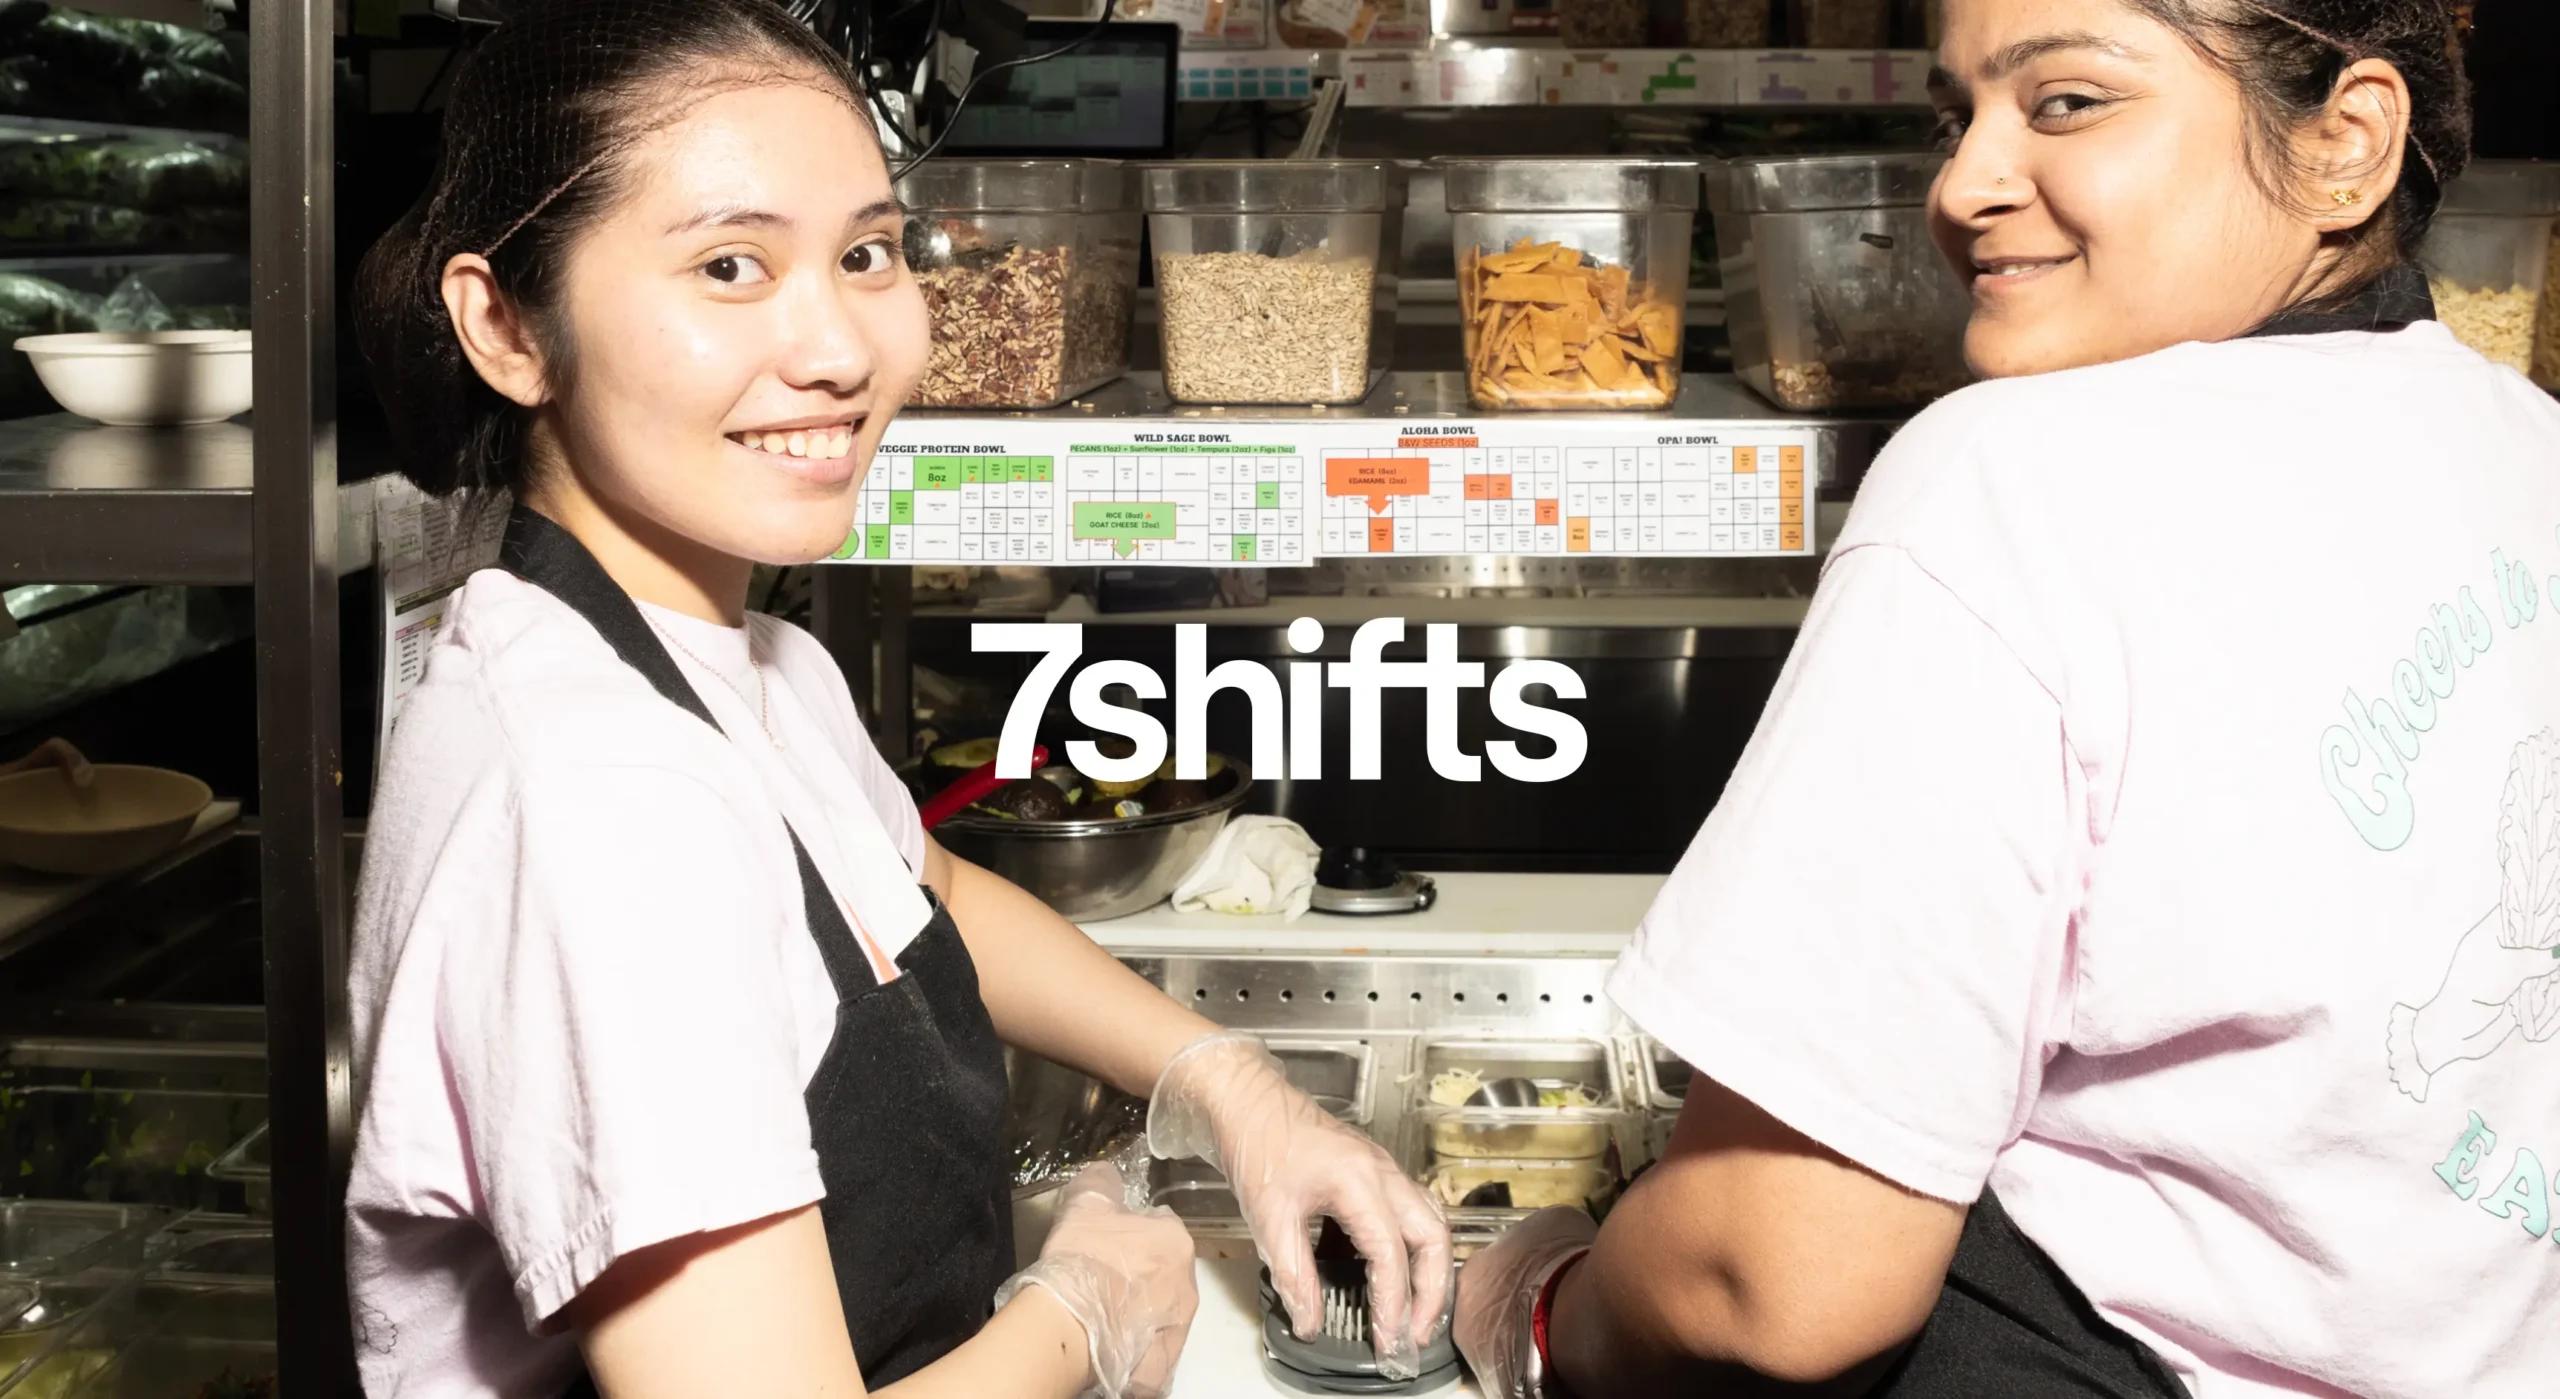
point(549, 557)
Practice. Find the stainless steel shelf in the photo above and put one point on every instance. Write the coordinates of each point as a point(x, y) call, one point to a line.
point(83, 503)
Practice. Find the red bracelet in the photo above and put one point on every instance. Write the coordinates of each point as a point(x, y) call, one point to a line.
point(1538, 1313)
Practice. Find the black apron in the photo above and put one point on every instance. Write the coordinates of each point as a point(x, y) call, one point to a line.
point(906, 1110)
point(2008, 1321)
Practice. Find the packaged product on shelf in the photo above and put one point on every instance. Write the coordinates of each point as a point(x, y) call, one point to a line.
point(1602, 24)
point(1322, 24)
point(134, 174)
point(1846, 24)
point(63, 222)
point(1547, 326)
point(1227, 24)
point(1242, 327)
point(1396, 24)
point(1726, 24)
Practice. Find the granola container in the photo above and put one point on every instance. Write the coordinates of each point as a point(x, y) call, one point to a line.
point(1276, 278)
point(1835, 297)
point(2487, 257)
point(1573, 279)
point(1030, 275)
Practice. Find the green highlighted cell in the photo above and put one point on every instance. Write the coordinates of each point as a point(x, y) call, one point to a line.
point(974, 472)
point(1244, 548)
point(902, 507)
point(1123, 522)
point(875, 544)
point(1040, 468)
point(940, 473)
point(1266, 496)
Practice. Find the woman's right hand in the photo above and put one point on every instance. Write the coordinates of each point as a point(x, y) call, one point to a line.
point(1125, 1275)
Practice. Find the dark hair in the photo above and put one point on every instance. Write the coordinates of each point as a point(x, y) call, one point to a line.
point(536, 126)
point(2287, 57)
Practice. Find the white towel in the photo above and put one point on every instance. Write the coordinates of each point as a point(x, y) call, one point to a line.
point(1258, 864)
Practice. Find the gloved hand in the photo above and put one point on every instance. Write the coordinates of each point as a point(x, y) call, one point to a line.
point(1501, 1286)
point(1122, 1271)
point(1224, 1099)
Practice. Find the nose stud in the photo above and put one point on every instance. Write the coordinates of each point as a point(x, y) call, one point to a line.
point(1999, 179)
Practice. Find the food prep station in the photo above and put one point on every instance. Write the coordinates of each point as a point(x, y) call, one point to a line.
point(156, 1163)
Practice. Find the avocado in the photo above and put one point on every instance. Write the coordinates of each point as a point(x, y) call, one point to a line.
point(1174, 794)
point(976, 752)
point(1031, 799)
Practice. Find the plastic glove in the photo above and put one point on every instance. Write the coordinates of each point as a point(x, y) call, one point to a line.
point(1124, 1272)
point(1224, 1099)
point(1501, 1287)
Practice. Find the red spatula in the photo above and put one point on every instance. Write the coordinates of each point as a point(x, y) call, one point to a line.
point(973, 784)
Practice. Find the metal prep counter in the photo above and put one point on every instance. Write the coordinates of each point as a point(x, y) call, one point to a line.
point(1512, 965)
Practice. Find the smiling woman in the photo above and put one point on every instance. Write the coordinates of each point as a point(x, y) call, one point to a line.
point(677, 1039)
point(2048, 1021)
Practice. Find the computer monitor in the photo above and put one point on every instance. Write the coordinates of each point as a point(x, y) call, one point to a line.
point(1112, 96)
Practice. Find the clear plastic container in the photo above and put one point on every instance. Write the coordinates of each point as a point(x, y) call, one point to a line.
point(1666, 1078)
point(1333, 1072)
point(1845, 24)
point(2488, 255)
point(1518, 1134)
point(1030, 273)
point(1276, 279)
point(1725, 24)
point(1834, 295)
point(1602, 24)
point(1533, 1184)
point(1573, 1074)
point(1573, 279)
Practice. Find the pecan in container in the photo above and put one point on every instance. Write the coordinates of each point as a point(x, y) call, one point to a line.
point(1029, 270)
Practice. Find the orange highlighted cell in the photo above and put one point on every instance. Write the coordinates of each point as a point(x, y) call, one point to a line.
point(1546, 512)
point(1791, 512)
point(1382, 536)
point(1499, 487)
point(1746, 460)
point(1791, 458)
point(1577, 535)
point(1377, 478)
point(1791, 536)
point(1477, 489)
point(1435, 444)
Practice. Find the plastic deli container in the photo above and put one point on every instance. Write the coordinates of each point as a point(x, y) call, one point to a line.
point(1725, 24)
point(2488, 257)
point(1844, 24)
point(1030, 275)
point(1276, 278)
point(1835, 298)
point(1573, 279)
point(1602, 24)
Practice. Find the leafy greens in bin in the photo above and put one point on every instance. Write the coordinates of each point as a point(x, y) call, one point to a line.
point(65, 63)
point(134, 174)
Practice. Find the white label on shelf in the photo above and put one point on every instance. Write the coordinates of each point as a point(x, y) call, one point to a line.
point(423, 550)
point(1041, 491)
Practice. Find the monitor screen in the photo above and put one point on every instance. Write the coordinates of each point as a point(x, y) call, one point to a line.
point(1113, 95)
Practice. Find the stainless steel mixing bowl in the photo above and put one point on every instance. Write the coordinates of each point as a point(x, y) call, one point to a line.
point(1092, 870)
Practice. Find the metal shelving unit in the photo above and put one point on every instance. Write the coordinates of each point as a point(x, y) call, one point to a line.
point(82, 503)
point(15, 128)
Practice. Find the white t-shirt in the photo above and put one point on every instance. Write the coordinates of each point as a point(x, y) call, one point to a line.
point(2135, 828)
point(585, 996)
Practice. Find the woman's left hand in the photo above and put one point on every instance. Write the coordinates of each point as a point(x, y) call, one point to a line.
point(1224, 1099)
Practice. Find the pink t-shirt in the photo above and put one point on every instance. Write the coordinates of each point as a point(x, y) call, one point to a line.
point(2159, 821)
point(584, 994)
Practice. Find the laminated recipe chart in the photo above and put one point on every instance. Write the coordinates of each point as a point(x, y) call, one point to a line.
point(1043, 491)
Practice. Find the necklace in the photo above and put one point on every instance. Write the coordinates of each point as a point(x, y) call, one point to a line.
point(764, 707)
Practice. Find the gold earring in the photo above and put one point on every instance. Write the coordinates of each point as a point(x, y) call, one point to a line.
point(2345, 197)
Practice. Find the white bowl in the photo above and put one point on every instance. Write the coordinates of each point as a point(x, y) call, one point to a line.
point(145, 378)
point(126, 817)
